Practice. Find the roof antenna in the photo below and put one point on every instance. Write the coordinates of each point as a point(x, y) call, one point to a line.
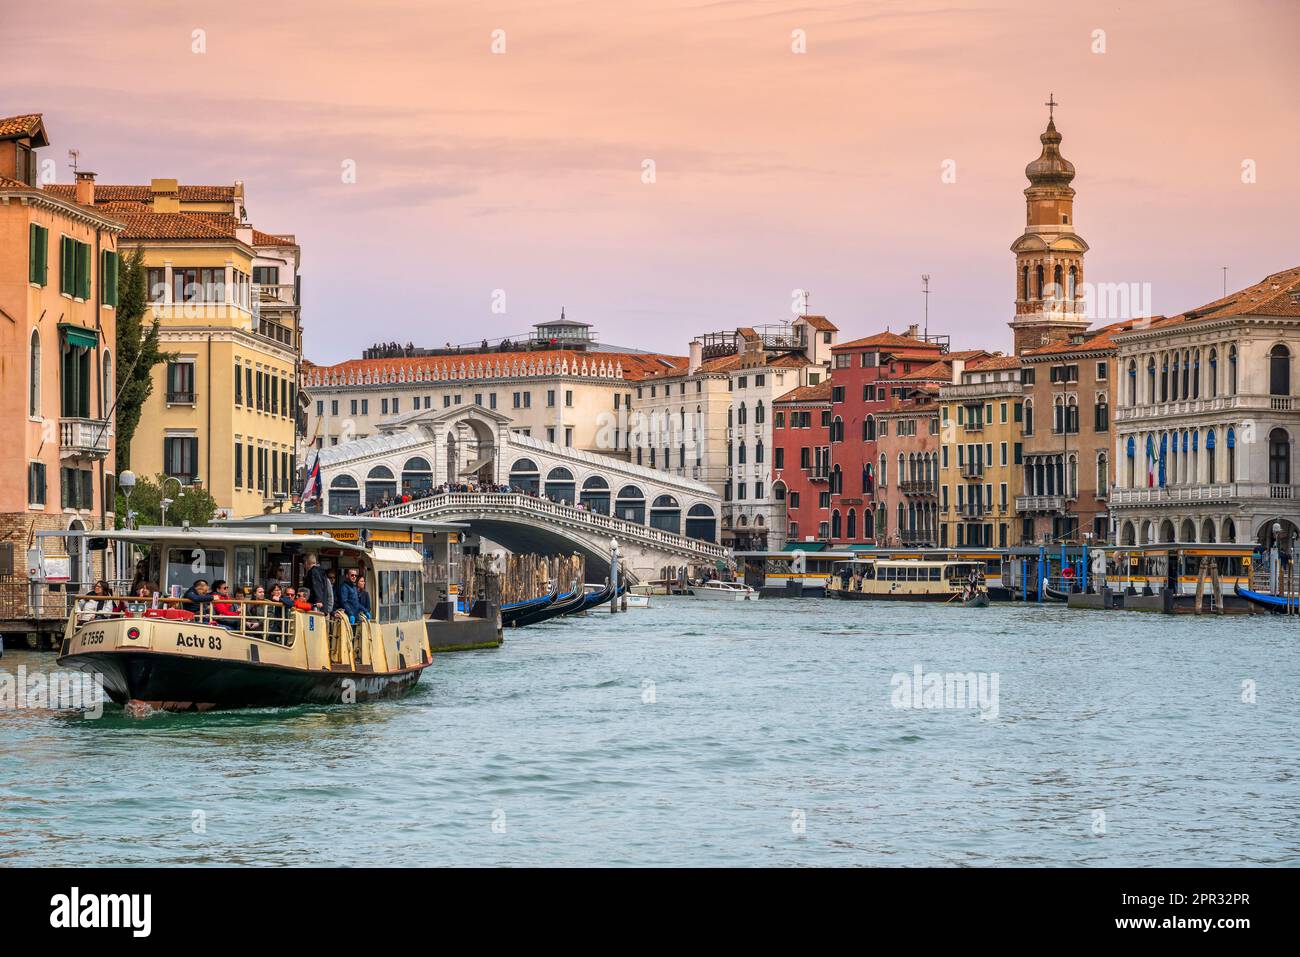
point(73, 156)
point(925, 290)
point(1225, 282)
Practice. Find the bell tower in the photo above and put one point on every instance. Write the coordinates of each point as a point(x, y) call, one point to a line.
point(1049, 253)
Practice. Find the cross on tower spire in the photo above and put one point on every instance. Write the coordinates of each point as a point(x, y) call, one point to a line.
point(1051, 105)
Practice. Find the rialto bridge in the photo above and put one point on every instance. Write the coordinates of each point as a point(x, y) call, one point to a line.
point(559, 499)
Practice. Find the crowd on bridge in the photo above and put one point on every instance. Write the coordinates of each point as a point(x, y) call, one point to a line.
point(446, 488)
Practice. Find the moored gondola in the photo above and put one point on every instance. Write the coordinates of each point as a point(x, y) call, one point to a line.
point(1276, 604)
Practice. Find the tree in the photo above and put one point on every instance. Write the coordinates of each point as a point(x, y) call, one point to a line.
point(193, 503)
point(137, 352)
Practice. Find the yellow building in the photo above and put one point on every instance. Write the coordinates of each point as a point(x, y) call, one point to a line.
point(221, 410)
point(980, 453)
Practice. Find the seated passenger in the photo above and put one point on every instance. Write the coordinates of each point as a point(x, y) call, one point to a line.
point(224, 610)
point(198, 600)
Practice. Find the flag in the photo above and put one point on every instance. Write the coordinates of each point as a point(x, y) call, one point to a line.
point(1164, 451)
point(1151, 461)
point(311, 490)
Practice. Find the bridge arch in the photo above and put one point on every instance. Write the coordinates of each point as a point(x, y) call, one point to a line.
point(525, 475)
point(417, 475)
point(560, 485)
point(666, 514)
point(380, 484)
point(595, 494)
point(630, 504)
point(702, 523)
point(344, 494)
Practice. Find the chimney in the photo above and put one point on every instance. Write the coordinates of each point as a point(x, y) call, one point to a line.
point(913, 331)
point(85, 187)
point(697, 356)
point(958, 367)
point(166, 195)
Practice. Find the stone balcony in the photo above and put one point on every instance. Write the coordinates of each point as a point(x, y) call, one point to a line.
point(1217, 493)
point(85, 438)
point(1242, 402)
point(1054, 504)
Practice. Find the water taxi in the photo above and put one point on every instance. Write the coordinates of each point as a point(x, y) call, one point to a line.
point(876, 579)
point(180, 640)
point(724, 591)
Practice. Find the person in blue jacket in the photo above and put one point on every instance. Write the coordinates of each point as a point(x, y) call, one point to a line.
point(348, 601)
point(363, 597)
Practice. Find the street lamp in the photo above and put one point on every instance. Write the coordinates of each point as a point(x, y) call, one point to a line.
point(167, 501)
point(126, 482)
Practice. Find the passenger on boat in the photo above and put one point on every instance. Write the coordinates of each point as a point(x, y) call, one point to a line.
point(100, 604)
point(347, 596)
point(255, 610)
point(277, 615)
point(316, 582)
point(223, 607)
point(141, 599)
point(363, 597)
point(303, 602)
point(197, 596)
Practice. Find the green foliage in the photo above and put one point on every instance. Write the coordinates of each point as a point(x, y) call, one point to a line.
point(193, 503)
point(137, 352)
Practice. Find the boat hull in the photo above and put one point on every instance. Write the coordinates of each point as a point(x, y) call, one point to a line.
point(892, 596)
point(173, 682)
point(1273, 603)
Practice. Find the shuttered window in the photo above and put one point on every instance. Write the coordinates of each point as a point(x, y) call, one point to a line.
point(108, 278)
point(38, 254)
point(67, 272)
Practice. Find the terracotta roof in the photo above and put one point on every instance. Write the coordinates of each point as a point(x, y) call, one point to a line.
point(141, 224)
point(786, 361)
point(820, 323)
point(935, 370)
point(17, 127)
point(113, 193)
point(887, 339)
point(1274, 295)
point(719, 364)
point(635, 365)
point(993, 364)
point(1102, 338)
point(821, 392)
point(7, 183)
point(271, 239)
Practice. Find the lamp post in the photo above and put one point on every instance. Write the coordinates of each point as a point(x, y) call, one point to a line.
point(164, 501)
point(613, 575)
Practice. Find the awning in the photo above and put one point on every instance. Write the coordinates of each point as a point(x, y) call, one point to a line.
point(79, 335)
point(476, 465)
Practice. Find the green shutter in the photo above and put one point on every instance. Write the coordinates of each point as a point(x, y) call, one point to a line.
point(66, 270)
point(108, 278)
point(44, 251)
point(83, 262)
point(33, 253)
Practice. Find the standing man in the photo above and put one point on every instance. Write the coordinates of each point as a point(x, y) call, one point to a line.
point(322, 595)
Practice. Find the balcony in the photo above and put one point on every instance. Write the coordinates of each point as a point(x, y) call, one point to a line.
point(972, 512)
point(972, 470)
point(181, 398)
point(1218, 493)
point(1242, 402)
point(272, 294)
point(919, 488)
point(1054, 504)
point(969, 426)
point(85, 438)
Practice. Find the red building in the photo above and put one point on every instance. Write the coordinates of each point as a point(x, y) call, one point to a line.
point(801, 454)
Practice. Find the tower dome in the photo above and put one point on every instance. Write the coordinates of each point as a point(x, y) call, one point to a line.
point(1051, 168)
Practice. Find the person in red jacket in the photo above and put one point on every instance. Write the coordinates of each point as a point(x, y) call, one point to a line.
point(223, 608)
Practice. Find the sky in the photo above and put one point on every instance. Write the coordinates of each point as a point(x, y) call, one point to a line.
point(664, 169)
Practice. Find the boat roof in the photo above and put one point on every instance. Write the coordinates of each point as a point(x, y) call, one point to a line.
point(322, 520)
point(149, 535)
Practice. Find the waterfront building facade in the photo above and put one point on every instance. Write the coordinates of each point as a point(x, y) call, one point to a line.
point(1207, 416)
point(1068, 437)
point(801, 456)
point(907, 443)
point(58, 298)
point(222, 409)
point(980, 454)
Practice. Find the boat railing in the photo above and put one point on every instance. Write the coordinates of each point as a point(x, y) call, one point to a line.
point(255, 618)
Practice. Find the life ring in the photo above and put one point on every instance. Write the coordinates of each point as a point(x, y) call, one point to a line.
point(1068, 573)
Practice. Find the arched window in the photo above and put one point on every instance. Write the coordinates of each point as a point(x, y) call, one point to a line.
point(1152, 395)
point(758, 451)
point(702, 524)
point(666, 514)
point(34, 377)
point(851, 528)
point(740, 454)
point(380, 485)
point(560, 485)
point(1279, 457)
point(595, 495)
point(1103, 475)
point(869, 428)
point(629, 504)
point(525, 476)
point(835, 524)
point(1132, 383)
point(1214, 373)
point(416, 475)
point(1027, 427)
point(110, 389)
point(1209, 456)
point(1072, 292)
point(1232, 370)
point(1028, 293)
point(1058, 284)
point(1039, 277)
point(1232, 454)
point(760, 414)
point(344, 495)
point(1279, 370)
point(883, 473)
point(1101, 416)
point(740, 414)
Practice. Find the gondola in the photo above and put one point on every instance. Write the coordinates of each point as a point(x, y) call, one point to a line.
point(1055, 594)
point(1274, 603)
point(563, 604)
point(980, 600)
point(511, 613)
point(594, 599)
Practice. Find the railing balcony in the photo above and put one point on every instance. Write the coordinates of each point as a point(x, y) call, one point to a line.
point(972, 470)
point(971, 512)
point(1218, 492)
point(180, 398)
point(1040, 503)
point(918, 487)
point(1245, 402)
point(272, 293)
point(88, 438)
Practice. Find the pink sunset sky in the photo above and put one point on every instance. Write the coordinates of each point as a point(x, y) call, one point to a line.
point(774, 170)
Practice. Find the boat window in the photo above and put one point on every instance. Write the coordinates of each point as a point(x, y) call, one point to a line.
point(869, 572)
point(185, 566)
point(245, 566)
point(934, 573)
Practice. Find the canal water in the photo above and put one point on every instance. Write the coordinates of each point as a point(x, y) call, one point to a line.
point(699, 733)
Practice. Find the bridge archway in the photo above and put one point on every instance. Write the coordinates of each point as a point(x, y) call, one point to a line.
point(595, 494)
point(344, 495)
point(417, 475)
point(525, 476)
point(560, 486)
point(702, 523)
point(666, 514)
point(630, 504)
point(380, 484)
